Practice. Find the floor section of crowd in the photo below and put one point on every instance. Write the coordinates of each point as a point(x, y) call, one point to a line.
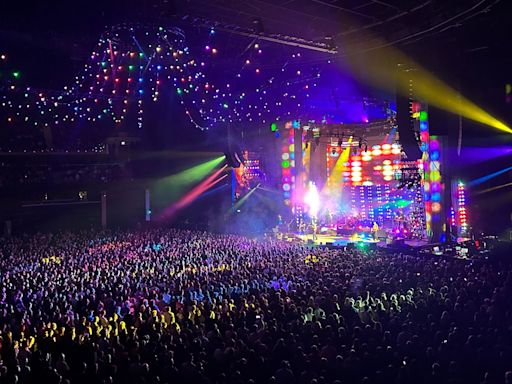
point(165, 306)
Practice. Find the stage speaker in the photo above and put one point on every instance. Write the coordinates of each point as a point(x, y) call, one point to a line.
point(408, 140)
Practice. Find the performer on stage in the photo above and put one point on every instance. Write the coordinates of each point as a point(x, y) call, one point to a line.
point(399, 219)
point(314, 227)
point(375, 229)
point(302, 228)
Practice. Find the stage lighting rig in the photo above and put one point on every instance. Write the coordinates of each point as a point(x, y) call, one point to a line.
point(258, 32)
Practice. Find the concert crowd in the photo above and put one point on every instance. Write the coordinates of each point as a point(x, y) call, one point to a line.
point(167, 306)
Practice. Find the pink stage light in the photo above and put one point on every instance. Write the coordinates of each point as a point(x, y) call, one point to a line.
point(209, 182)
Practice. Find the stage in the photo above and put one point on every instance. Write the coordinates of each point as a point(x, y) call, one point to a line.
point(344, 241)
point(335, 240)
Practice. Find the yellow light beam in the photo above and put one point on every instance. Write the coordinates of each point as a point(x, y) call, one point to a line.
point(334, 189)
point(339, 167)
point(377, 68)
point(439, 94)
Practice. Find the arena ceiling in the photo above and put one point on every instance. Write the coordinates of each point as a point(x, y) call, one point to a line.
point(351, 24)
point(454, 38)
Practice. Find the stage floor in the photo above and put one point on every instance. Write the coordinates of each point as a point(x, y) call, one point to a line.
point(336, 240)
point(343, 241)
